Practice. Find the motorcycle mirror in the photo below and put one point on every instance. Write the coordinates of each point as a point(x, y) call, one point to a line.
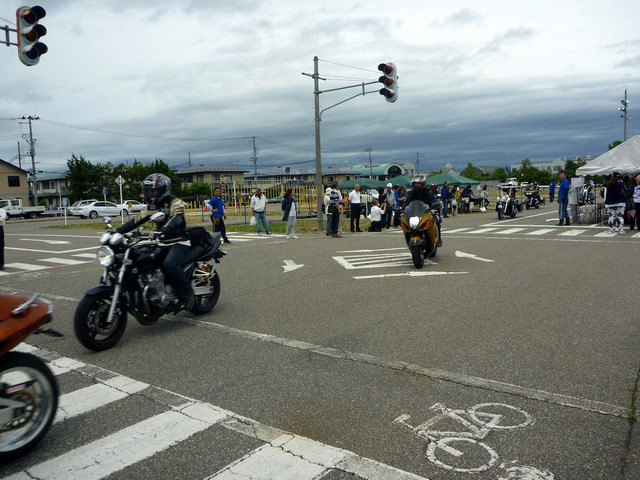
point(158, 217)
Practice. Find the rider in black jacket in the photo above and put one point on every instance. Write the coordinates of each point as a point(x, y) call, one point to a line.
point(156, 190)
point(419, 191)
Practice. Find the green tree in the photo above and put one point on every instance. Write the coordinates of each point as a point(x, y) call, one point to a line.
point(614, 144)
point(500, 174)
point(470, 172)
point(85, 179)
point(570, 167)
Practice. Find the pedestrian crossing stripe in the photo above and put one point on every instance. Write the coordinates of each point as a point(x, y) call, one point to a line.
point(63, 261)
point(574, 232)
point(284, 455)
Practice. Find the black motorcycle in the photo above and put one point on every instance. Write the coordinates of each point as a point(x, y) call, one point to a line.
point(533, 199)
point(133, 282)
point(506, 205)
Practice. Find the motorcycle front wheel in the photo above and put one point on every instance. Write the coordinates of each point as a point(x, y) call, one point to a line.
point(416, 256)
point(30, 382)
point(205, 303)
point(500, 214)
point(90, 322)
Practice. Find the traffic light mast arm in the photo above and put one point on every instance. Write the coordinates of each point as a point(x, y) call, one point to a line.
point(7, 40)
point(350, 98)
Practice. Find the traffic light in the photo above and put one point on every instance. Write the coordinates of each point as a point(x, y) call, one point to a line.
point(29, 32)
point(389, 80)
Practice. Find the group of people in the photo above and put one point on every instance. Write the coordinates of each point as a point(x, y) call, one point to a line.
point(622, 199)
point(456, 200)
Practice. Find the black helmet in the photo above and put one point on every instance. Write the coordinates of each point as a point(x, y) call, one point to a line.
point(418, 179)
point(155, 187)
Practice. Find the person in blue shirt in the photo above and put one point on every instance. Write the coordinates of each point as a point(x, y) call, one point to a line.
point(217, 214)
point(563, 198)
point(445, 193)
point(552, 191)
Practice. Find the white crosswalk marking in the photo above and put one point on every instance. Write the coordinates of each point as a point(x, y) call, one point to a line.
point(572, 233)
point(542, 231)
point(92, 256)
point(484, 230)
point(509, 231)
point(456, 230)
point(63, 261)
point(25, 266)
point(283, 456)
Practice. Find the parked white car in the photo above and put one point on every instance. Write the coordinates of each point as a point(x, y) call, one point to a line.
point(132, 206)
point(80, 203)
point(96, 209)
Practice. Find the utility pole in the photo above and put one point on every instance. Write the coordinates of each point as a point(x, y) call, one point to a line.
point(33, 157)
point(369, 150)
point(254, 159)
point(19, 157)
point(319, 186)
point(417, 163)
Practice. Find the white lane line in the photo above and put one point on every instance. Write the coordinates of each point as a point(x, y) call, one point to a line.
point(606, 234)
point(64, 364)
point(549, 397)
point(64, 261)
point(92, 256)
point(455, 230)
point(408, 274)
point(572, 233)
point(509, 231)
point(542, 231)
point(25, 266)
point(126, 447)
point(484, 230)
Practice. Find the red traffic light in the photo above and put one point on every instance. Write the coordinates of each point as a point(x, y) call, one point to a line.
point(389, 80)
point(29, 32)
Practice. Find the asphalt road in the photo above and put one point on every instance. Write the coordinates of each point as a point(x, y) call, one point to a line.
point(514, 355)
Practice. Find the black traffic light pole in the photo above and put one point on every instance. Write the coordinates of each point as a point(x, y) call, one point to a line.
point(318, 119)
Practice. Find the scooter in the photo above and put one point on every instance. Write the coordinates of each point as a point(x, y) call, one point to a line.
point(420, 224)
point(28, 389)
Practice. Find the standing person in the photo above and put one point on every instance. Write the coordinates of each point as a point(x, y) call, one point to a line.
point(335, 202)
point(402, 199)
point(259, 211)
point(446, 197)
point(563, 198)
point(327, 200)
point(615, 202)
point(484, 195)
point(290, 212)
point(455, 194)
point(356, 207)
point(634, 196)
point(218, 215)
point(466, 196)
point(390, 199)
point(3, 217)
point(552, 191)
point(377, 214)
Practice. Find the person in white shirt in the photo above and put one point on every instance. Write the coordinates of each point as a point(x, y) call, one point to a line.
point(3, 217)
point(356, 207)
point(259, 211)
point(377, 214)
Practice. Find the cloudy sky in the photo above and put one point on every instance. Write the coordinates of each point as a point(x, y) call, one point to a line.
point(489, 82)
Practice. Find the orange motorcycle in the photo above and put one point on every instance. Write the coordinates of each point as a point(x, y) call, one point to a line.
point(28, 388)
point(420, 224)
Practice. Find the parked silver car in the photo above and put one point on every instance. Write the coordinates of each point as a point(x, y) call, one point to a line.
point(80, 203)
point(95, 209)
point(132, 206)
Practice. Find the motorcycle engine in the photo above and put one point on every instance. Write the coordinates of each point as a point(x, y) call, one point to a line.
point(158, 293)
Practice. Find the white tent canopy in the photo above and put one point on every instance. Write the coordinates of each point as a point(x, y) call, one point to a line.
point(624, 159)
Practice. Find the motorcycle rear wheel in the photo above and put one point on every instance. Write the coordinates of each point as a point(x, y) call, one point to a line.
point(89, 322)
point(205, 303)
point(40, 397)
point(417, 257)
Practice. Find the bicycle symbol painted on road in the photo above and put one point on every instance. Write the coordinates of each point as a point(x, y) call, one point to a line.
point(457, 445)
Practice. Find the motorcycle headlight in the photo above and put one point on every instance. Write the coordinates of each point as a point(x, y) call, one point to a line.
point(414, 222)
point(105, 256)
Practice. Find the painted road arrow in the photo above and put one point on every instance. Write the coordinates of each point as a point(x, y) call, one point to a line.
point(473, 256)
point(290, 266)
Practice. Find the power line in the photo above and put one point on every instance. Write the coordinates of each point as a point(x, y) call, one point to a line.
point(349, 66)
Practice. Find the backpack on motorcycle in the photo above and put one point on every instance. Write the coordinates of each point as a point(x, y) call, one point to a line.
point(199, 237)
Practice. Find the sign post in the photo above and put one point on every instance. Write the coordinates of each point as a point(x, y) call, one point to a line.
point(121, 181)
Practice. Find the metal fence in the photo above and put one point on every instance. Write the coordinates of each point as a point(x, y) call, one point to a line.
point(237, 199)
